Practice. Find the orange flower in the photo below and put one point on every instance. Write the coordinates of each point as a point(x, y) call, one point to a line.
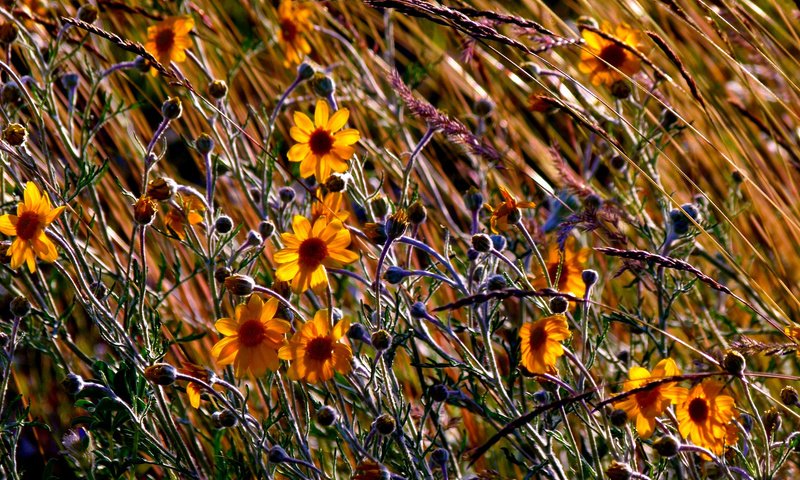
point(169, 39)
point(645, 406)
point(603, 59)
point(34, 214)
point(252, 337)
point(570, 276)
point(294, 23)
point(329, 205)
point(190, 213)
point(704, 415)
point(310, 249)
point(541, 343)
point(321, 147)
point(509, 206)
point(315, 350)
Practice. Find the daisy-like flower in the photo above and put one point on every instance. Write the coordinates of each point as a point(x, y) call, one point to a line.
point(644, 407)
point(509, 206)
point(310, 249)
point(321, 147)
point(294, 23)
point(570, 275)
point(330, 205)
point(252, 337)
point(194, 390)
point(541, 343)
point(604, 59)
point(190, 213)
point(169, 39)
point(315, 350)
point(34, 214)
point(704, 415)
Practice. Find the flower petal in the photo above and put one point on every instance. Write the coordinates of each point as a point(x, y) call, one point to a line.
point(321, 113)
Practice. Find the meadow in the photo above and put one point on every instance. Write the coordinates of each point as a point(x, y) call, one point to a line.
point(400, 239)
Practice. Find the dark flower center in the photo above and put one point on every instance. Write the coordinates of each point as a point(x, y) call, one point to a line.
point(648, 397)
point(320, 349)
point(320, 142)
point(288, 30)
point(698, 410)
point(28, 225)
point(613, 54)
point(312, 252)
point(538, 337)
point(165, 40)
point(252, 333)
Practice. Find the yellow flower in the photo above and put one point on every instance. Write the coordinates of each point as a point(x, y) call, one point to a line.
point(570, 280)
point(329, 205)
point(645, 406)
point(321, 147)
point(194, 390)
point(500, 213)
point(190, 213)
point(34, 214)
point(169, 39)
point(602, 56)
point(704, 415)
point(294, 23)
point(541, 343)
point(310, 249)
point(315, 350)
point(252, 337)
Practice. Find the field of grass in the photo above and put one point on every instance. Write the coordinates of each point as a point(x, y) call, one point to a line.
point(400, 239)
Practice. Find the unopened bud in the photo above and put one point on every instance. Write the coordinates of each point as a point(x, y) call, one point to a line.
point(322, 85)
point(161, 374)
point(733, 362)
point(241, 285)
point(73, 384)
point(440, 456)
point(8, 33)
point(223, 224)
point(496, 282)
point(381, 340)
point(621, 89)
point(667, 446)
point(224, 419)
point(87, 13)
point(172, 108)
point(417, 213)
point(305, 71)
point(218, 89)
point(789, 396)
point(559, 304)
point(221, 273)
point(619, 471)
point(327, 416)
point(482, 243)
point(15, 134)
point(384, 424)
point(20, 307)
point(484, 107)
point(204, 143)
point(473, 199)
point(335, 183)
point(266, 229)
point(618, 417)
point(589, 277)
point(286, 194)
point(161, 189)
point(144, 210)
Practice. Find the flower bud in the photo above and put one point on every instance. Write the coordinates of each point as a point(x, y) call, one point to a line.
point(266, 229)
point(161, 189)
point(70, 81)
point(221, 273)
point(677, 217)
point(327, 416)
point(380, 205)
point(283, 288)
point(559, 304)
point(619, 471)
point(161, 374)
point(384, 424)
point(496, 282)
point(218, 89)
point(10, 94)
point(144, 210)
point(418, 310)
point(376, 232)
point(278, 455)
point(541, 397)
point(142, 64)
point(618, 163)
point(668, 118)
point(592, 202)
point(667, 446)
point(618, 417)
point(172, 108)
point(322, 85)
point(73, 383)
point(514, 216)
point(381, 340)
point(417, 213)
point(305, 71)
point(482, 243)
point(254, 239)
point(20, 307)
point(357, 331)
point(440, 456)
point(484, 107)
point(224, 419)
point(472, 254)
point(204, 143)
point(8, 33)
point(589, 277)
point(87, 13)
point(395, 275)
point(789, 396)
point(439, 392)
point(15, 134)
point(621, 89)
point(241, 285)
point(76, 441)
point(223, 224)
point(286, 194)
point(473, 199)
point(335, 183)
point(499, 242)
point(772, 421)
point(733, 362)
